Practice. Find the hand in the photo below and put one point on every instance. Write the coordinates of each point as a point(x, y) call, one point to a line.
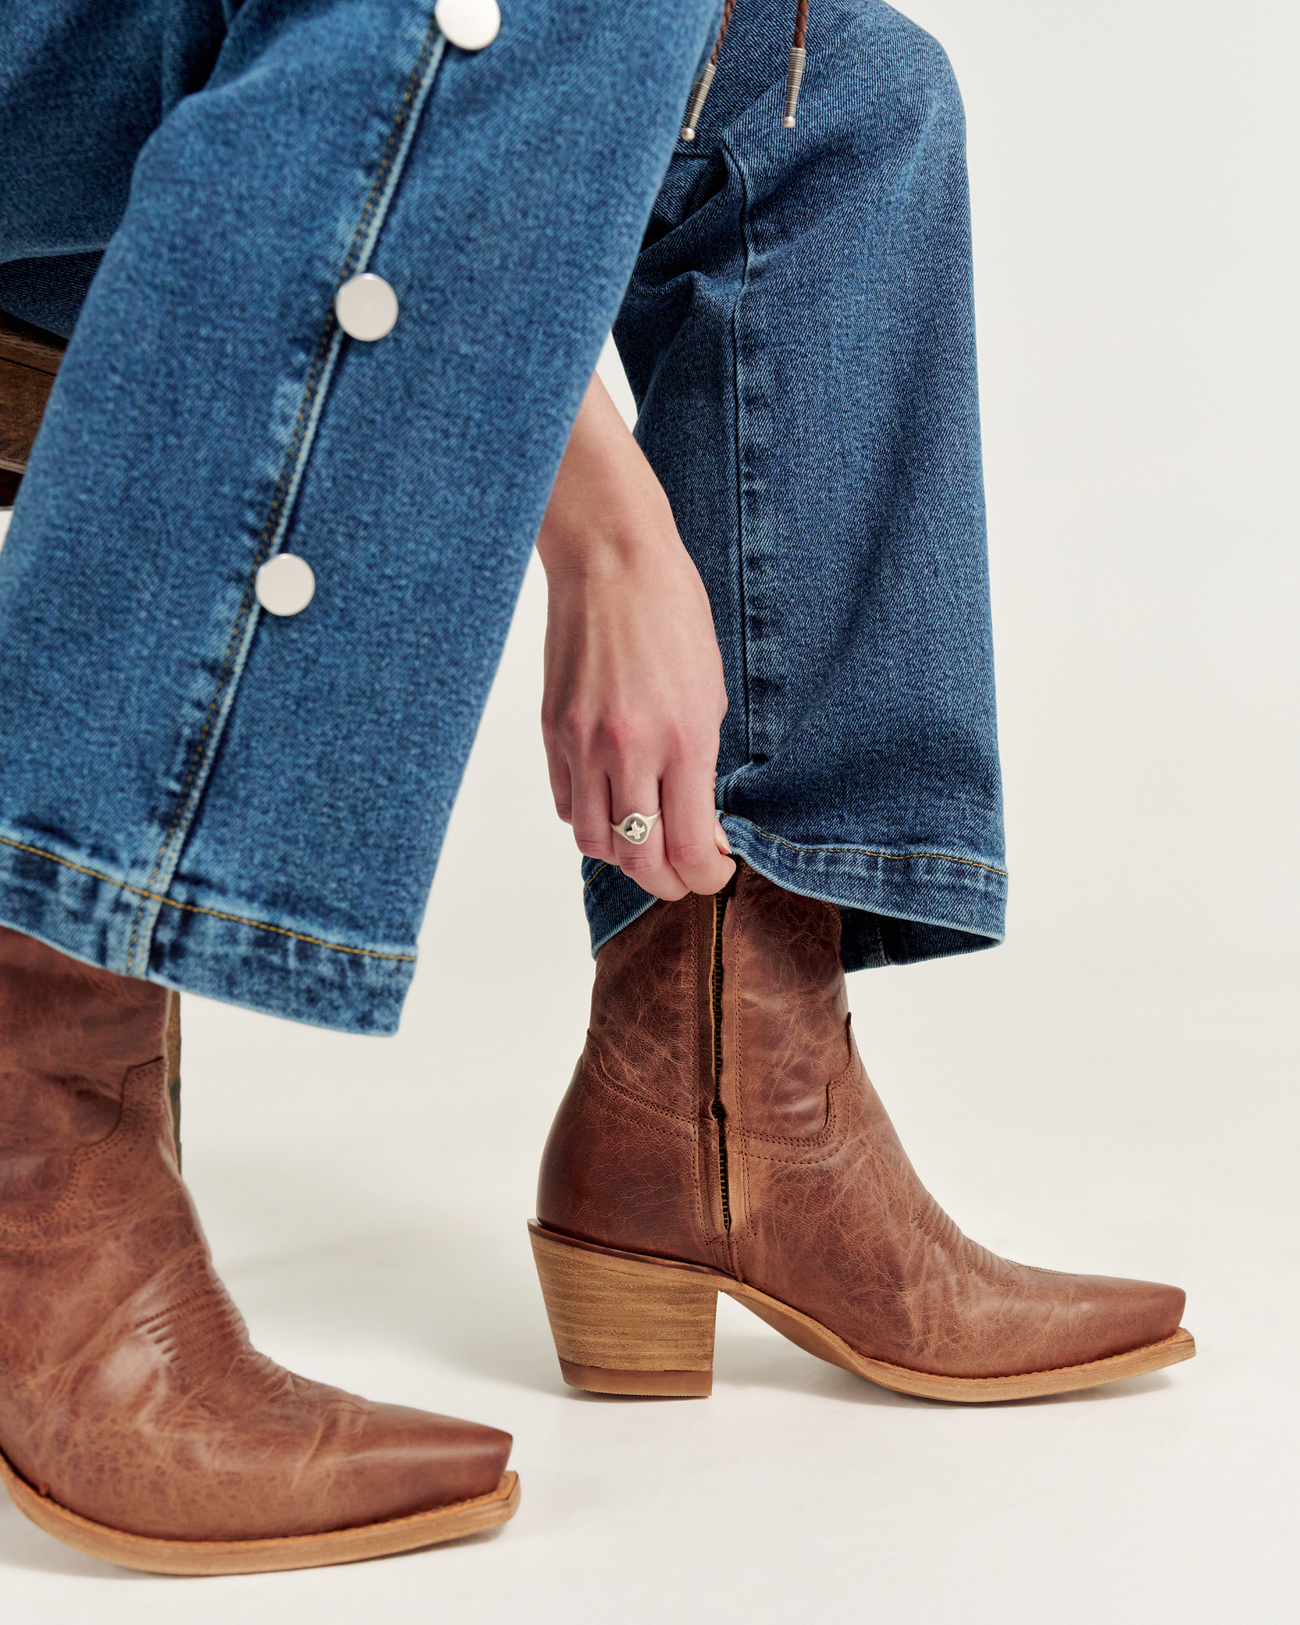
point(633, 695)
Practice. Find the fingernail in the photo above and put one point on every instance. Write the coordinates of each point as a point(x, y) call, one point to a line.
point(720, 836)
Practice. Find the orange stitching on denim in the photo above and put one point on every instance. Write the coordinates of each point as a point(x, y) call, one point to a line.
point(196, 908)
point(859, 851)
point(866, 852)
point(179, 821)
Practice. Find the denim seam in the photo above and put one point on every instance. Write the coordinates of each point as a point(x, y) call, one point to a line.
point(867, 852)
point(740, 476)
point(187, 802)
point(197, 908)
point(860, 851)
point(372, 214)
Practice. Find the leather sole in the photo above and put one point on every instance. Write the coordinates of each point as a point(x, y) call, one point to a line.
point(625, 1323)
point(209, 1557)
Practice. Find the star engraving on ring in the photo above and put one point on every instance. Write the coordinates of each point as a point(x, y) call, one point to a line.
point(636, 827)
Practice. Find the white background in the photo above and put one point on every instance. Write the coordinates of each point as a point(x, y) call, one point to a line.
point(1113, 1090)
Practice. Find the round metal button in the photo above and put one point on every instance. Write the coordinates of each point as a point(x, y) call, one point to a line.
point(470, 24)
point(366, 307)
point(285, 584)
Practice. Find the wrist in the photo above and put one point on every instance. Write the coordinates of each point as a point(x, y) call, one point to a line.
point(610, 540)
point(608, 513)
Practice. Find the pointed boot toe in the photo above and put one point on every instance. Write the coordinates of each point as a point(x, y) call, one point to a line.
point(137, 1422)
point(404, 1461)
point(1121, 1315)
point(721, 1135)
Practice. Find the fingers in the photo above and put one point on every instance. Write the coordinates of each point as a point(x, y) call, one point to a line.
point(686, 850)
point(591, 814)
point(557, 769)
point(690, 826)
point(646, 864)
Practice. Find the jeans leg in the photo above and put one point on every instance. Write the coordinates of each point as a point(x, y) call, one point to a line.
point(82, 88)
point(193, 789)
point(799, 334)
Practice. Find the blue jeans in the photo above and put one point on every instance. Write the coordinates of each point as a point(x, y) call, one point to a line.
point(251, 806)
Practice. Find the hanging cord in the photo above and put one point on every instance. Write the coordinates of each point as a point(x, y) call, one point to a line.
point(701, 87)
point(794, 69)
point(793, 72)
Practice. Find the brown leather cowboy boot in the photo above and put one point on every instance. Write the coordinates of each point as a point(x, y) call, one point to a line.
point(720, 1135)
point(137, 1422)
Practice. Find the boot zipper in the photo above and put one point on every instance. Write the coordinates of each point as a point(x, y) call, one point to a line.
point(717, 1110)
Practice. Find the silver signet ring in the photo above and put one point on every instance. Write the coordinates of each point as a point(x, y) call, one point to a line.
point(636, 827)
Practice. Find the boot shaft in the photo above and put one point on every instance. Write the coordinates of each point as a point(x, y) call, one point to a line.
point(69, 1036)
point(740, 996)
point(714, 1020)
point(784, 1008)
point(93, 1216)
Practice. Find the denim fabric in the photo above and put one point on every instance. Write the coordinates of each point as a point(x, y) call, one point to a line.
point(800, 337)
point(252, 807)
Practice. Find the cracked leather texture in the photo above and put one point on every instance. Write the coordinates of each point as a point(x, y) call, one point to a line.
point(828, 1214)
point(622, 1164)
point(129, 1391)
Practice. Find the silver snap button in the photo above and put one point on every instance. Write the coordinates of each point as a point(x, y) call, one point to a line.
point(285, 584)
point(366, 307)
point(469, 24)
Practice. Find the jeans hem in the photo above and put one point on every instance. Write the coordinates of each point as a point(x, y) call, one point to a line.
point(898, 908)
point(75, 904)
